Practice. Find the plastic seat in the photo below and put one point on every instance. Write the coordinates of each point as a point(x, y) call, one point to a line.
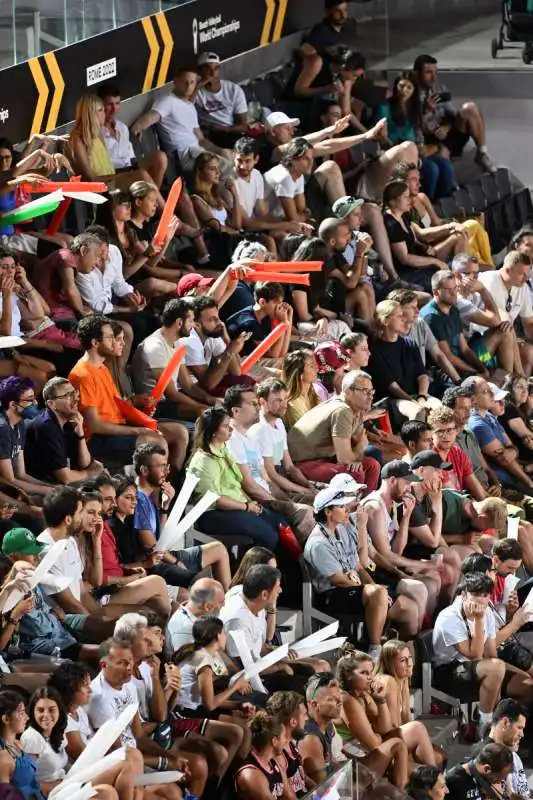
point(477, 195)
point(503, 181)
point(311, 613)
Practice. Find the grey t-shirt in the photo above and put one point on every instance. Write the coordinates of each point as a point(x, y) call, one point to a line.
point(467, 441)
point(327, 554)
point(422, 335)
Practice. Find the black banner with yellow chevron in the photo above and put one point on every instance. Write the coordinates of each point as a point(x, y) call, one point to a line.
point(141, 56)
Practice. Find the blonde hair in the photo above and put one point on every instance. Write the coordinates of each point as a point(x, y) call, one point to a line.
point(383, 311)
point(385, 665)
point(86, 126)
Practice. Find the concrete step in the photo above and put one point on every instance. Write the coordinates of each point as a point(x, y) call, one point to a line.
point(442, 731)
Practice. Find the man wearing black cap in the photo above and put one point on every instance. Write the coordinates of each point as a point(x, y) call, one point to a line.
point(425, 527)
point(389, 534)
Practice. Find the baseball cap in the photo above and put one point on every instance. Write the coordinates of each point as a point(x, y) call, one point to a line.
point(498, 394)
point(343, 482)
point(193, 281)
point(280, 118)
point(399, 469)
point(208, 58)
point(329, 357)
point(429, 458)
point(345, 205)
point(329, 497)
point(21, 540)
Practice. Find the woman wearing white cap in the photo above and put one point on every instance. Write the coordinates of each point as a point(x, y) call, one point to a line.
point(342, 585)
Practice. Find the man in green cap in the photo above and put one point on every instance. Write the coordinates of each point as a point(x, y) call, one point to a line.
point(39, 625)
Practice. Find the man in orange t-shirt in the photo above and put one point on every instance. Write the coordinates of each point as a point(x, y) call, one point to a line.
point(105, 427)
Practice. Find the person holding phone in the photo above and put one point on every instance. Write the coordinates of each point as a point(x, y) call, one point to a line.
point(444, 125)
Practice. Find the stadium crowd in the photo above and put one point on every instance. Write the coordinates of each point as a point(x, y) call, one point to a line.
point(380, 448)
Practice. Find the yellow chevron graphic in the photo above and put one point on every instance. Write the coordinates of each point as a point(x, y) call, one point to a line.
point(42, 90)
point(168, 41)
point(59, 87)
point(278, 28)
point(269, 16)
point(151, 38)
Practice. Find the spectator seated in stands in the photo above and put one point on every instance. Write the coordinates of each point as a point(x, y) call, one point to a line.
point(212, 357)
point(311, 314)
point(246, 611)
point(221, 105)
point(489, 771)
point(414, 261)
point(339, 580)
point(58, 432)
point(464, 645)
point(346, 287)
point(290, 709)
point(269, 310)
point(299, 375)
point(55, 278)
point(515, 418)
point(18, 405)
point(510, 292)
point(446, 236)
point(217, 207)
point(366, 717)
point(261, 774)
point(508, 725)
point(143, 195)
point(404, 123)
point(87, 146)
point(459, 399)
point(243, 407)
point(177, 120)
point(443, 124)
point(446, 240)
point(25, 313)
point(184, 398)
point(270, 437)
point(324, 706)
point(109, 435)
point(154, 495)
point(330, 438)
point(497, 346)
point(117, 140)
point(495, 444)
point(444, 319)
point(217, 471)
point(38, 622)
point(250, 186)
point(113, 689)
point(461, 476)
point(396, 367)
point(141, 258)
point(105, 291)
point(417, 330)
point(384, 527)
point(206, 598)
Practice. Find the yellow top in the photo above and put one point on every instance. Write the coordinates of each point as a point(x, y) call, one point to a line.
point(99, 159)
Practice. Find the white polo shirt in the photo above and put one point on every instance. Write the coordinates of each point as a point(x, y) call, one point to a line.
point(119, 145)
point(236, 616)
point(68, 565)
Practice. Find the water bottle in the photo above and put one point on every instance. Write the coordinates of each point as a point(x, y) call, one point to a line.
point(56, 656)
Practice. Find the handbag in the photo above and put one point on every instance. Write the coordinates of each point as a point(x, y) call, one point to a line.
point(513, 651)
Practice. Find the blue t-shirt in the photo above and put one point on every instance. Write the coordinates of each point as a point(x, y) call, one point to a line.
point(146, 515)
point(486, 429)
point(444, 327)
point(12, 440)
point(246, 321)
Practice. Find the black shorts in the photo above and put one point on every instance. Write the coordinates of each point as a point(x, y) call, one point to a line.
point(456, 142)
point(342, 601)
point(104, 447)
point(418, 551)
point(459, 679)
point(387, 579)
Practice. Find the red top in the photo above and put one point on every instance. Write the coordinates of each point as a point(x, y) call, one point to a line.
point(110, 557)
point(48, 282)
point(462, 468)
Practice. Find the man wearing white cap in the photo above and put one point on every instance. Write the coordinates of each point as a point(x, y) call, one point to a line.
point(221, 105)
point(495, 444)
point(341, 584)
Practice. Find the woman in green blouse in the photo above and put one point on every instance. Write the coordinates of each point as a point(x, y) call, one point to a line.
point(218, 472)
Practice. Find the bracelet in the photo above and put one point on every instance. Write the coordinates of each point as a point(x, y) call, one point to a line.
point(270, 613)
point(422, 395)
point(246, 506)
point(162, 763)
point(79, 438)
point(380, 702)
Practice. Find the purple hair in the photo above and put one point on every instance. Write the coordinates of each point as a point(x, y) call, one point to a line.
point(11, 389)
